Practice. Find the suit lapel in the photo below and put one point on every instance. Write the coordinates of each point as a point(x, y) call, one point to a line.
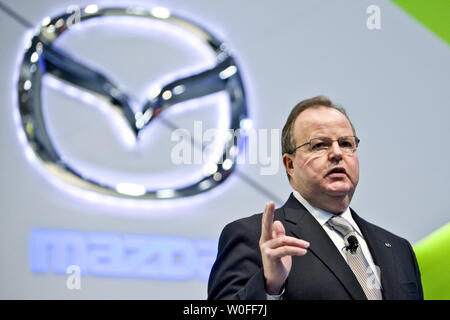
point(382, 254)
point(301, 224)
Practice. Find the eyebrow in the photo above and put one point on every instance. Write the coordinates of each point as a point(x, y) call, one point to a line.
point(328, 137)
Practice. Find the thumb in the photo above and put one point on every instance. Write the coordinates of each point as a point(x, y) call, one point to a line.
point(278, 229)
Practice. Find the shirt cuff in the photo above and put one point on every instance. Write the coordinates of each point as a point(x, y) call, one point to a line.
point(275, 296)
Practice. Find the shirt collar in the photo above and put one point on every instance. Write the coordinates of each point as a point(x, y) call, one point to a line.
point(323, 216)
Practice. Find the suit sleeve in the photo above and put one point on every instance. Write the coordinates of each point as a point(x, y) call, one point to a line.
point(417, 272)
point(237, 272)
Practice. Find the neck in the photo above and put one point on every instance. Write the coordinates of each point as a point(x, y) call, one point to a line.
point(335, 205)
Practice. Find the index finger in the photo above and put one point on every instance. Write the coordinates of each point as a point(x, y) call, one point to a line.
point(267, 221)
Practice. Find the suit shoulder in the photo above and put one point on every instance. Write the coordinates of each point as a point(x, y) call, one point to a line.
point(247, 227)
point(385, 233)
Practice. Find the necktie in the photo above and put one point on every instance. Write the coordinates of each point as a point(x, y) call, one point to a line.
point(356, 259)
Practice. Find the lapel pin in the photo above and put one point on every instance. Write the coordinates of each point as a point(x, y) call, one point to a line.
point(387, 244)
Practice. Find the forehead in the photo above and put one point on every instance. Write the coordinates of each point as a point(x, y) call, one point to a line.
point(321, 121)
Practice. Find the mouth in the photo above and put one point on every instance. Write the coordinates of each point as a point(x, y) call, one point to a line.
point(337, 171)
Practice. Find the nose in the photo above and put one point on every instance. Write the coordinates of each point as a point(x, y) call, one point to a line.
point(335, 153)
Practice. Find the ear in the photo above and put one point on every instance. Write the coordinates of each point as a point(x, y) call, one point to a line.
point(288, 162)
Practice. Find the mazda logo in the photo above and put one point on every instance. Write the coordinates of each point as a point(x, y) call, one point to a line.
point(43, 57)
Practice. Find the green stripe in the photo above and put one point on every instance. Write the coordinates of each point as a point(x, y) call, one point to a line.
point(433, 14)
point(433, 256)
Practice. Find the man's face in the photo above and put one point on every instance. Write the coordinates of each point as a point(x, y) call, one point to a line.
point(326, 180)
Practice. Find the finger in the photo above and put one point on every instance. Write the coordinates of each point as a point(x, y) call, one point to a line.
point(267, 221)
point(284, 251)
point(278, 229)
point(286, 241)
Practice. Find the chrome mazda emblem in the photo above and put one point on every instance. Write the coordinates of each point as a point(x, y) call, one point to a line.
point(42, 57)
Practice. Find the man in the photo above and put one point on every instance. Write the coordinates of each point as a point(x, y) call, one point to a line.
point(314, 246)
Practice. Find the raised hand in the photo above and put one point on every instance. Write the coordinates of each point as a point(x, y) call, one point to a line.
point(277, 250)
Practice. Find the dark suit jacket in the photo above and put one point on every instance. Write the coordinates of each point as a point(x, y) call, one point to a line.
point(320, 274)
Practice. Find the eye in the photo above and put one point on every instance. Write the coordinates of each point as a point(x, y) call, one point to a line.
point(318, 145)
point(346, 144)
point(349, 144)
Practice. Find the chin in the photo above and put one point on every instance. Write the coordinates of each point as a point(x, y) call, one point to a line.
point(340, 190)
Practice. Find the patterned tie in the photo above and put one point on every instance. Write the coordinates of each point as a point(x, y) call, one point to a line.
point(356, 260)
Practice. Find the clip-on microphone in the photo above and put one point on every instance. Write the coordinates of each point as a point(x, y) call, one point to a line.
point(352, 244)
